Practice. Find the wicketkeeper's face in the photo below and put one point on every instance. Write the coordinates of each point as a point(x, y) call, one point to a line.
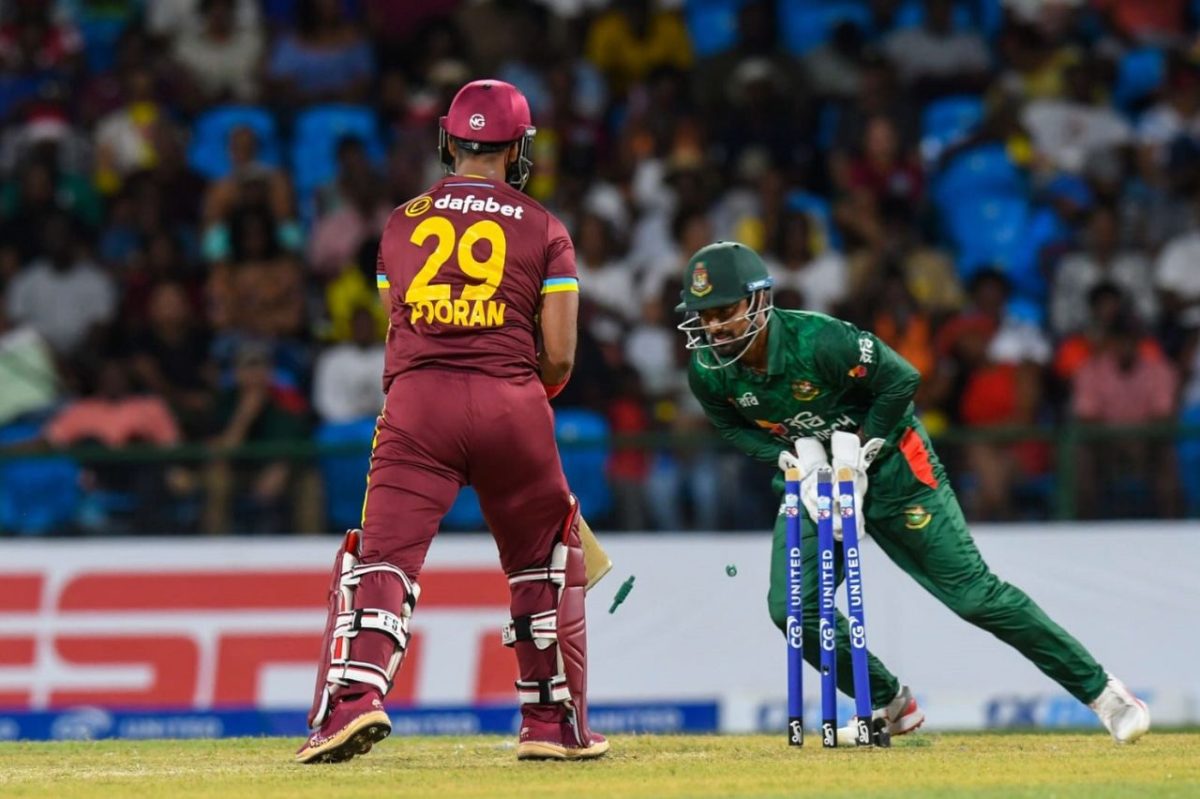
point(724, 327)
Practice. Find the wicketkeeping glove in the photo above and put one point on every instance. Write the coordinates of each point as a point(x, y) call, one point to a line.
point(809, 456)
point(849, 453)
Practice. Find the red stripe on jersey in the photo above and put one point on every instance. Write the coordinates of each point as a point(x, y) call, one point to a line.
point(918, 457)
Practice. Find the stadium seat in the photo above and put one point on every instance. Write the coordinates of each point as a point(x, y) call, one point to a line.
point(37, 495)
point(1139, 74)
point(1188, 450)
point(981, 173)
point(991, 17)
point(946, 121)
point(816, 207)
point(712, 25)
point(807, 24)
point(992, 233)
point(911, 13)
point(100, 33)
point(583, 443)
point(344, 474)
point(465, 513)
point(314, 142)
point(208, 152)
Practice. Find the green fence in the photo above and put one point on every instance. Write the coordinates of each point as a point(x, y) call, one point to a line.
point(1142, 462)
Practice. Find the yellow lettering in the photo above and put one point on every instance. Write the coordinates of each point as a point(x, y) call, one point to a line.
point(460, 312)
point(477, 318)
point(442, 311)
point(495, 313)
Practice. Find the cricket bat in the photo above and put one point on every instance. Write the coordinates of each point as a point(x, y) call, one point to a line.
point(596, 561)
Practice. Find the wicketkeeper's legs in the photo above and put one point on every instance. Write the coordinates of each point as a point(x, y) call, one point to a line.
point(943, 558)
point(915, 518)
point(884, 685)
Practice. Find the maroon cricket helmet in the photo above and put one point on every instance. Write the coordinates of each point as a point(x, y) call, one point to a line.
point(486, 116)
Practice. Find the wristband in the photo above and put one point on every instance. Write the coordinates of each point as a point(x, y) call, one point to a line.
point(553, 391)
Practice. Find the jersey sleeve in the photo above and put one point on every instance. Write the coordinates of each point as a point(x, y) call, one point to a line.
point(381, 277)
point(849, 357)
point(758, 444)
point(561, 274)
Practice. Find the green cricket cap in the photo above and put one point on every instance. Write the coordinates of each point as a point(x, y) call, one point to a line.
point(721, 274)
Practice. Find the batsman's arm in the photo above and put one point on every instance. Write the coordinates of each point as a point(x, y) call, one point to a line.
point(758, 444)
point(851, 357)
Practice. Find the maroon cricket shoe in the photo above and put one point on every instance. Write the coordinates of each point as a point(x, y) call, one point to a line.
point(547, 736)
point(355, 725)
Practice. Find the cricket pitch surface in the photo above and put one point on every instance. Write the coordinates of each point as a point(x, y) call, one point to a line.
point(1085, 764)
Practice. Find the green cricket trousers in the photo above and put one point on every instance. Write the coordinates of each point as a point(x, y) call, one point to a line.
point(914, 517)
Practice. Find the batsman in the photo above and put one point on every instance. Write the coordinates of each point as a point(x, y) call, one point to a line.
point(789, 387)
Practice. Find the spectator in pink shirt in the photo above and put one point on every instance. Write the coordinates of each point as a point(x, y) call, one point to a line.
point(137, 496)
point(113, 417)
point(1120, 384)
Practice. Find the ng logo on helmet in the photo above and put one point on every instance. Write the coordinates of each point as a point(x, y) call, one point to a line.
point(477, 121)
point(700, 284)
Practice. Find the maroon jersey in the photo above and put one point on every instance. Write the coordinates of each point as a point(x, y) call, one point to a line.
point(466, 263)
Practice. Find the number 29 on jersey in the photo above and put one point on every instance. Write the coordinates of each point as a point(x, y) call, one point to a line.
point(430, 300)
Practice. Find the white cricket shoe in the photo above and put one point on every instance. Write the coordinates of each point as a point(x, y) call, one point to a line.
point(902, 713)
point(1123, 714)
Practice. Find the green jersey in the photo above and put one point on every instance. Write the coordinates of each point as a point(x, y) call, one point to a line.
point(825, 375)
point(822, 375)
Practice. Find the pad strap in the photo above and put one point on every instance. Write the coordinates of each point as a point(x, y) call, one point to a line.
point(543, 692)
point(347, 671)
point(351, 622)
point(540, 628)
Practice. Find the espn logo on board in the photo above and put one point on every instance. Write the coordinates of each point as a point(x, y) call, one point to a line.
point(225, 638)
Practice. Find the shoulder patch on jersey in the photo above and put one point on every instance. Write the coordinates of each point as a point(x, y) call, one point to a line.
point(917, 518)
point(418, 205)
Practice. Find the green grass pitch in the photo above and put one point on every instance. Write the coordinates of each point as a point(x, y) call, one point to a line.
point(1085, 765)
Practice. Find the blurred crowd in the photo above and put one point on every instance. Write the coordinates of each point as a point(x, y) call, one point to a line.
point(1006, 191)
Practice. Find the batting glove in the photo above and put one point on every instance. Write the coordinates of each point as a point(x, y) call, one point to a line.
point(850, 453)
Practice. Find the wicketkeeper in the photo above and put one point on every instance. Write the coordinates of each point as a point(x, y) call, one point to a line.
point(782, 386)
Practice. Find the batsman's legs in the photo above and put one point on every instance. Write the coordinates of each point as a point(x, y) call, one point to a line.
point(884, 685)
point(373, 588)
point(535, 521)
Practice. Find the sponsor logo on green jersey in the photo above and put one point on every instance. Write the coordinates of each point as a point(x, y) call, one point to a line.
point(804, 390)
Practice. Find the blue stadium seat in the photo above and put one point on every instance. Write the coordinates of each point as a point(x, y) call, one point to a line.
point(1139, 73)
point(208, 152)
point(712, 25)
point(344, 475)
point(100, 33)
point(947, 121)
point(911, 13)
point(981, 173)
point(583, 443)
point(37, 495)
point(1189, 462)
point(314, 142)
point(816, 207)
point(807, 24)
point(991, 17)
point(992, 232)
point(465, 513)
